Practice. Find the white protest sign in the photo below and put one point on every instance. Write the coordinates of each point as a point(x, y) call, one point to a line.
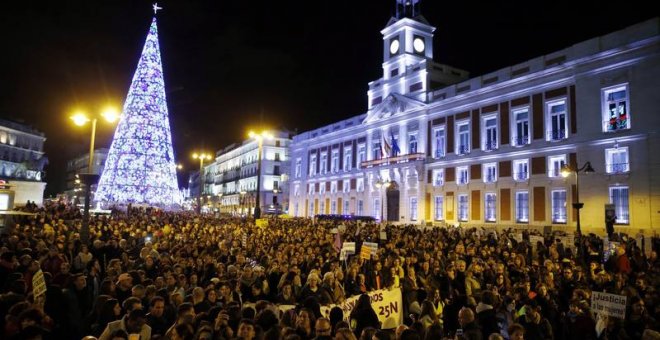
point(518, 237)
point(348, 248)
point(38, 284)
point(608, 304)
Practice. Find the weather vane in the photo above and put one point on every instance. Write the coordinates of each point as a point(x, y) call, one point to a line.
point(156, 8)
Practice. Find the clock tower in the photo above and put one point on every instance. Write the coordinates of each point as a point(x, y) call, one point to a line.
point(408, 66)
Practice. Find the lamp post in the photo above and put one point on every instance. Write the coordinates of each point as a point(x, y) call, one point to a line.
point(382, 184)
point(566, 170)
point(90, 178)
point(202, 157)
point(259, 137)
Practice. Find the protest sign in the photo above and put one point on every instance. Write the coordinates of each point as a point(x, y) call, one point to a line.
point(261, 222)
point(608, 304)
point(38, 284)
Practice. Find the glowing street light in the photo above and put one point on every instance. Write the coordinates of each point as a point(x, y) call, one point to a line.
point(566, 171)
point(259, 137)
point(79, 118)
point(202, 157)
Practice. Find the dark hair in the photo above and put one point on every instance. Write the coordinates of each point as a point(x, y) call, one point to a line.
point(184, 307)
point(107, 313)
point(129, 302)
point(155, 299)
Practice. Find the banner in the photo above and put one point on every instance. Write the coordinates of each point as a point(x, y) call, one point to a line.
point(386, 303)
point(608, 304)
point(38, 284)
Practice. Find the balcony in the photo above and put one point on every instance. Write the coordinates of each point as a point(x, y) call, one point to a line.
point(439, 153)
point(463, 150)
point(617, 168)
point(557, 135)
point(490, 145)
point(393, 160)
point(490, 178)
point(521, 176)
point(520, 140)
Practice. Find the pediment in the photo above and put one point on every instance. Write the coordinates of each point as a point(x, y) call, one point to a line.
point(392, 105)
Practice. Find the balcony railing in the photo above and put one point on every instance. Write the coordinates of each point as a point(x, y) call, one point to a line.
point(463, 150)
point(521, 176)
point(490, 178)
point(490, 145)
point(393, 160)
point(520, 140)
point(439, 153)
point(557, 135)
point(617, 168)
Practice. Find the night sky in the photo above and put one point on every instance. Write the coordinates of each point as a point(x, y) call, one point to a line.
point(232, 65)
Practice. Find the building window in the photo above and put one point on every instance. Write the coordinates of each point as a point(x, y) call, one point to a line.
point(490, 133)
point(377, 152)
point(462, 208)
point(616, 160)
point(522, 206)
point(438, 177)
point(490, 206)
point(490, 173)
point(295, 210)
point(376, 210)
point(322, 188)
point(557, 120)
point(311, 208)
point(312, 166)
point(555, 163)
point(277, 156)
point(322, 204)
point(324, 163)
point(333, 187)
point(298, 167)
point(335, 161)
point(559, 206)
point(413, 208)
point(463, 175)
point(333, 207)
point(346, 186)
point(296, 190)
point(615, 108)
point(619, 197)
point(362, 155)
point(412, 143)
point(360, 208)
point(439, 141)
point(360, 184)
point(463, 138)
point(521, 169)
point(348, 159)
point(438, 213)
point(311, 188)
point(521, 127)
point(346, 207)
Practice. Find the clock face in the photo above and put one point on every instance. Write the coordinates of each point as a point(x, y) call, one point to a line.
point(394, 46)
point(418, 44)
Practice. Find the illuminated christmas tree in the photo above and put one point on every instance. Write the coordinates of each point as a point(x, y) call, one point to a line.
point(140, 165)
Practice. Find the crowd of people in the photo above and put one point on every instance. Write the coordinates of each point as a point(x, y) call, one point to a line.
point(153, 274)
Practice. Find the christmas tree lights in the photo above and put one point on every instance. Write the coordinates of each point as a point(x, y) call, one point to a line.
point(140, 165)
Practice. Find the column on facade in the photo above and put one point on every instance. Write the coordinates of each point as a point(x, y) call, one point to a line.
point(403, 139)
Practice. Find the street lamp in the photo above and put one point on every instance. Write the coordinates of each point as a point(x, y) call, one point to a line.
point(566, 170)
point(259, 137)
point(110, 115)
point(382, 184)
point(202, 157)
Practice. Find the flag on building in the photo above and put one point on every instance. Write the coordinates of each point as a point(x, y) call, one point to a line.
point(395, 146)
point(386, 147)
